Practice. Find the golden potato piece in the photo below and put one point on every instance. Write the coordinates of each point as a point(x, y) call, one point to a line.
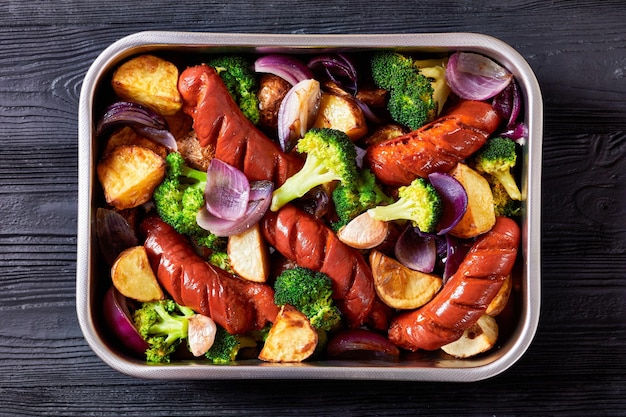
point(401, 287)
point(129, 174)
point(291, 338)
point(479, 338)
point(248, 255)
point(127, 136)
point(151, 81)
point(341, 113)
point(133, 277)
point(502, 297)
point(480, 215)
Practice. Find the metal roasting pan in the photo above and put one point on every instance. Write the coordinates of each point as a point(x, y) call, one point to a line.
point(91, 278)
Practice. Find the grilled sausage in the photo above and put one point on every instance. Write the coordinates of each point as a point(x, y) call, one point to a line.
point(235, 304)
point(220, 124)
point(465, 296)
point(435, 147)
point(308, 242)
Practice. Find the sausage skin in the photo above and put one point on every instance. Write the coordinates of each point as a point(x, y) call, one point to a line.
point(219, 123)
point(307, 241)
point(235, 304)
point(465, 297)
point(435, 147)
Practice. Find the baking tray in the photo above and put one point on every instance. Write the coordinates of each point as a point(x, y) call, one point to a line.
point(90, 277)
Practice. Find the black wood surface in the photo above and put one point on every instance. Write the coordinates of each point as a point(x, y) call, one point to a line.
point(576, 365)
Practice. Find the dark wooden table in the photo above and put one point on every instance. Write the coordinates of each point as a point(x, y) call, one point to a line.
point(576, 365)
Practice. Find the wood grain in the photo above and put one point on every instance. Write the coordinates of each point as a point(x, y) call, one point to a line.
point(576, 365)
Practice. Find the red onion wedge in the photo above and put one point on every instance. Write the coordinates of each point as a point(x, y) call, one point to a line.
point(259, 201)
point(287, 67)
point(456, 251)
point(361, 344)
point(227, 191)
point(454, 199)
point(114, 234)
point(297, 112)
point(146, 122)
point(508, 103)
point(416, 250)
point(473, 76)
point(339, 69)
point(118, 318)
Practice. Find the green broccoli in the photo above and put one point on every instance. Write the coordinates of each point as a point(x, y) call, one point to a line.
point(163, 324)
point(178, 199)
point(503, 204)
point(330, 156)
point(417, 89)
point(352, 199)
point(496, 158)
point(310, 292)
point(239, 78)
point(226, 346)
point(418, 202)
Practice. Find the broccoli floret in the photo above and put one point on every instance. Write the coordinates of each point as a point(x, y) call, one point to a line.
point(418, 202)
point(226, 346)
point(503, 204)
point(355, 198)
point(310, 292)
point(330, 156)
point(163, 324)
point(178, 199)
point(417, 89)
point(496, 158)
point(239, 78)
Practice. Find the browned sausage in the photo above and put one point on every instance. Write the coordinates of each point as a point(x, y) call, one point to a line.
point(308, 242)
point(220, 124)
point(236, 305)
point(465, 296)
point(435, 147)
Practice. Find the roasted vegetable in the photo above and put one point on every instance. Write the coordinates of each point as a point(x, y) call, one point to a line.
point(179, 198)
point(330, 156)
point(416, 95)
point(164, 325)
point(418, 202)
point(497, 157)
point(132, 275)
point(151, 81)
point(129, 174)
point(311, 293)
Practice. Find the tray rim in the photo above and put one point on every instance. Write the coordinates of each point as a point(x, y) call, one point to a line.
point(531, 186)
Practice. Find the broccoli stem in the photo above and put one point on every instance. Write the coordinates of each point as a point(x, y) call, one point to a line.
point(312, 174)
point(508, 182)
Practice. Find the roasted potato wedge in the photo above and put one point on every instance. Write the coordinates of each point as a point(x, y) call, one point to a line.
point(480, 215)
point(248, 255)
point(400, 287)
point(383, 133)
point(502, 297)
point(129, 174)
point(342, 113)
point(151, 81)
point(133, 277)
point(127, 136)
point(479, 338)
point(291, 338)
